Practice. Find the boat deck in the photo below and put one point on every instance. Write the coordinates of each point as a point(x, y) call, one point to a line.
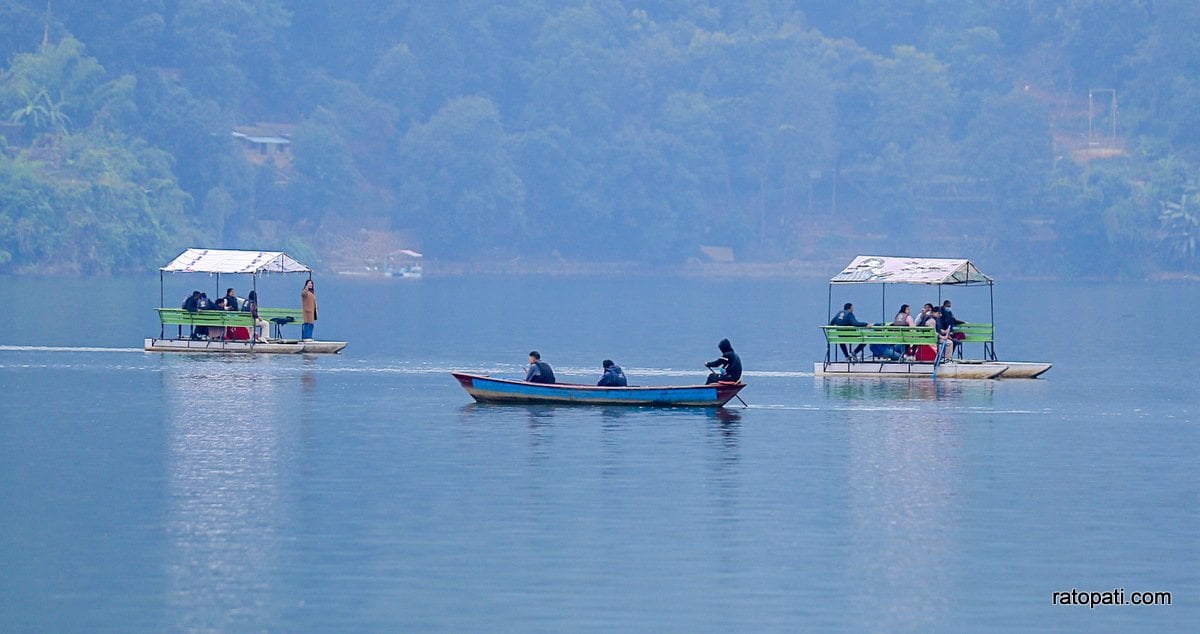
point(273, 346)
point(951, 369)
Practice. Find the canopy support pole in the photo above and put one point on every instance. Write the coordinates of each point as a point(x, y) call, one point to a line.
point(883, 305)
point(992, 314)
point(829, 316)
point(162, 303)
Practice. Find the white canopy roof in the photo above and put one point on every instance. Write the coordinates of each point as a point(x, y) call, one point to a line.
point(231, 261)
point(877, 269)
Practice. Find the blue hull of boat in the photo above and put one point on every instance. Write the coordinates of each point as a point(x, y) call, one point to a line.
point(488, 390)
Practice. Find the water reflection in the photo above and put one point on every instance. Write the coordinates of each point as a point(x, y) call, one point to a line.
point(974, 393)
point(308, 378)
point(904, 495)
point(227, 483)
point(613, 416)
point(724, 429)
point(727, 417)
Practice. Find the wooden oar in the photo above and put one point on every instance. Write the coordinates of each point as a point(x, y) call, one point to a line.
point(710, 372)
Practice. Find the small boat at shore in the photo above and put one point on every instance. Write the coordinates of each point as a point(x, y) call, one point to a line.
point(229, 332)
point(882, 339)
point(485, 389)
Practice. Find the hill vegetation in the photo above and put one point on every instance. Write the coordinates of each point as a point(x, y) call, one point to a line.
point(1048, 138)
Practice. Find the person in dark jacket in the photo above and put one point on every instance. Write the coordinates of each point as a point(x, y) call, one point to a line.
point(231, 300)
point(948, 323)
point(613, 376)
point(845, 317)
point(191, 303)
point(539, 371)
point(729, 362)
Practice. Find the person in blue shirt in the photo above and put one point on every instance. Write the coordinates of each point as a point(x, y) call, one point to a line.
point(845, 317)
point(613, 376)
point(539, 371)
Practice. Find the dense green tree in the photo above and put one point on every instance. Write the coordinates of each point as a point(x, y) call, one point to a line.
point(326, 179)
point(106, 204)
point(195, 131)
point(231, 49)
point(600, 128)
point(22, 27)
point(1009, 150)
point(564, 207)
point(52, 88)
point(126, 35)
point(459, 181)
point(397, 80)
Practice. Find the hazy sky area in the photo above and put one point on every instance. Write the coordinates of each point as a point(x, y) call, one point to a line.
point(1043, 139)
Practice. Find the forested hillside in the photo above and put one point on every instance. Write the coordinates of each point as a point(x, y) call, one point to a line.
point(1055, 138)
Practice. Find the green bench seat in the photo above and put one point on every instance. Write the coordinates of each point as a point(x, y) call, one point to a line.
point(903, 335)
point(282, 314)
point(885, 335)
point(182, 317)
point(268, 314)
point(225, 318)
point(976, 333)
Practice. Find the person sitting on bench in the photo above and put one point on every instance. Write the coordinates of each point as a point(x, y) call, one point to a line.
point(846, 317)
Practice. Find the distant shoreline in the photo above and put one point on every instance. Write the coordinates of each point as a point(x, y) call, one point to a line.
point(814, 270)
point(794, 269)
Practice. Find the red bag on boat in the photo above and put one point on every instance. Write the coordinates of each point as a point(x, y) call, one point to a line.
point(237, 333)
point(925, 353)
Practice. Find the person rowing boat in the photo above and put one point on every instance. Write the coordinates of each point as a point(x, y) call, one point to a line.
point(729, 362)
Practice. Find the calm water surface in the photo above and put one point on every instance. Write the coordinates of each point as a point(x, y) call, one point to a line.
point(160, 492)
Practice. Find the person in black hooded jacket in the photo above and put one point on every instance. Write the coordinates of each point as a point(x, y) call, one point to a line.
point(729, 362)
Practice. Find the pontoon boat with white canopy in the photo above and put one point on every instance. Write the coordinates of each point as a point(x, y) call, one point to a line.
point(941, 363)
point(232, 327)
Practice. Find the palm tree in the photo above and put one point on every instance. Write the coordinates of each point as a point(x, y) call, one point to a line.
point(42, 114)
point(1180, 222)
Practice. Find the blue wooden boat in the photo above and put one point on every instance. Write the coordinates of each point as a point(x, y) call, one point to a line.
point(485, 389)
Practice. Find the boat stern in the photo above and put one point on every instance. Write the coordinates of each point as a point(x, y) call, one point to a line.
point(727, 390)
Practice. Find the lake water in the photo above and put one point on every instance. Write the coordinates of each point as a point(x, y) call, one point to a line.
point(364, 491)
